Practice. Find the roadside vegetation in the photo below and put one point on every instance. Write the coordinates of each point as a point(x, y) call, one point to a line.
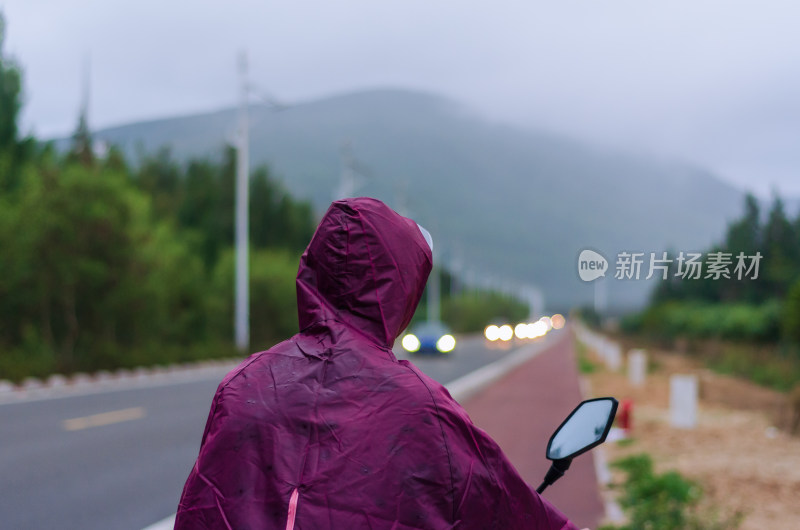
point(749, 326)
point(663, 501)
point(585, 364)
point(470, 310)
point(665, 478)
point(108, 265)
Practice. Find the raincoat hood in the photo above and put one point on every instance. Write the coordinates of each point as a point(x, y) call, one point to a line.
point(366, 267)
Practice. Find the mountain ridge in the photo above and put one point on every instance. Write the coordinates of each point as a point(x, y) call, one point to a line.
point(501, 200)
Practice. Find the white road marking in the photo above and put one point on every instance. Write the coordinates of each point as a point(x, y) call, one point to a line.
point(164, 524)
point(104, 418)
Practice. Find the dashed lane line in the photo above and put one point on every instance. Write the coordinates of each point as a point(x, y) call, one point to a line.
point(104, 418)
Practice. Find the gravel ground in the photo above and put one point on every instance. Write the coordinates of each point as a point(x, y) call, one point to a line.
point(744, 462)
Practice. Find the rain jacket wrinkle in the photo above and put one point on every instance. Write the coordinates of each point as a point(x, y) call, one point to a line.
point(328, 430)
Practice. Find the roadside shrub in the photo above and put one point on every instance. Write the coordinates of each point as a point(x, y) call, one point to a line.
point(764, 366)
point(472, 311)
point(585, 364)
point(656, 501)
point(735, 321)
point(273, 302)
point(790, 323)
point(664, 501)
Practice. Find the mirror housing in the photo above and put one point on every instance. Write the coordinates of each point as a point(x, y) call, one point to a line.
point(585, 428)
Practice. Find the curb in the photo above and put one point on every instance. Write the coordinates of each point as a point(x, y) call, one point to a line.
point(614, 513)
point(467, 385)
point(58, 385)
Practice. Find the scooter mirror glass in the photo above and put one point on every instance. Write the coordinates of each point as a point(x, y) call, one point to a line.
point(585, 428)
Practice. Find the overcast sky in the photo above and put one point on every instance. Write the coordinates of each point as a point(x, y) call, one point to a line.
point(715, 82)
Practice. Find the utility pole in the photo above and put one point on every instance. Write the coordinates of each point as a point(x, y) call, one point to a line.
point(600, 296)
point(434, 296)
point(347, 177)
point(535, 302)
point(242, 312)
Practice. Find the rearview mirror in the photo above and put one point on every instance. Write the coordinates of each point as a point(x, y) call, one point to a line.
point(585, 428)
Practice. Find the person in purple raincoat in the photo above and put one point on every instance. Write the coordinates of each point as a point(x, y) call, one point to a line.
point(328, 430)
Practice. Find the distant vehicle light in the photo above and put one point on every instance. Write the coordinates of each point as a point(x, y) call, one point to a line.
point(547, 322)
point(538, 329)
point(521, 331)
point(492, 332)
point(410, 343)
point(446, 343)
point(506, 333)
point(558, 321)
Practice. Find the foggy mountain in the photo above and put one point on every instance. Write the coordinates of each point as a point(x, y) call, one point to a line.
point(517, 205)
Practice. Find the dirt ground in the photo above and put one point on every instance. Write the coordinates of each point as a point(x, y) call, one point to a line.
point(738, 453)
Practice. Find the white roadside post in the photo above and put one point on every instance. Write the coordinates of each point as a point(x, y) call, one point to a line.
point(613, 356)
point(683, 401)
point(637, 367)
point(604, 348)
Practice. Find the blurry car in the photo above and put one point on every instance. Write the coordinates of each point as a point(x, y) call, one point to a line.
point(429, 338)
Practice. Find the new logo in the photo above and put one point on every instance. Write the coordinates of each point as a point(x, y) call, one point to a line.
point(591, 265)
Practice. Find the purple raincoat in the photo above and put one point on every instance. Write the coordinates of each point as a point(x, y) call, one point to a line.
point(328, 430)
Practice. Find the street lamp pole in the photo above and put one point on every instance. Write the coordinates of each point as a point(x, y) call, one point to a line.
point(242, 312)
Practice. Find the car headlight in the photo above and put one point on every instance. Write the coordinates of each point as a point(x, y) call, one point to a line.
point(492, 332)
point(410, 343)
point(506, 332)
point(538, 329)
point(446, 343)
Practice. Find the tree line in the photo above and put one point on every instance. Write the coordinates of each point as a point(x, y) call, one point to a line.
point(106, 265)
point(760, 306)
point(748, 326)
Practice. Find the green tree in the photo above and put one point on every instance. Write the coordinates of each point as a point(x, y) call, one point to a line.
point(791, 314)
point(161, 177)
point(13, 150)
point(88, 276)
point(72, 251)
point(207, 204)
point(10, 94)
point(472, 311)
point(273, 302)
point(104, 267)
point(82, 142)
point(744, 235)
point(781, 262)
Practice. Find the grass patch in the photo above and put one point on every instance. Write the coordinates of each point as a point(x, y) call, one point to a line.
point(765, 366)
point(775, 366)
point(664, 501)
point(585, 364)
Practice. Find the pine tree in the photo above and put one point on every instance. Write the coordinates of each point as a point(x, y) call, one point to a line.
point(13, 150)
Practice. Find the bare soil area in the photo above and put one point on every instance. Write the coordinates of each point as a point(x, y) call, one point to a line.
point(738, 452)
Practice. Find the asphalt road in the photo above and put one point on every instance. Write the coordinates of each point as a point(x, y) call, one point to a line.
point(117, 459)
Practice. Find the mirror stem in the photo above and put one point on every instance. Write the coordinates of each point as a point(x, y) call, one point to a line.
point(556, 471)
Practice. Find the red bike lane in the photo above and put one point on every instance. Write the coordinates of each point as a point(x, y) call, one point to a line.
point(521, 410)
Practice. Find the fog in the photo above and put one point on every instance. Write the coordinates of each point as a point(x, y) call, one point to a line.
point(712, 82)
